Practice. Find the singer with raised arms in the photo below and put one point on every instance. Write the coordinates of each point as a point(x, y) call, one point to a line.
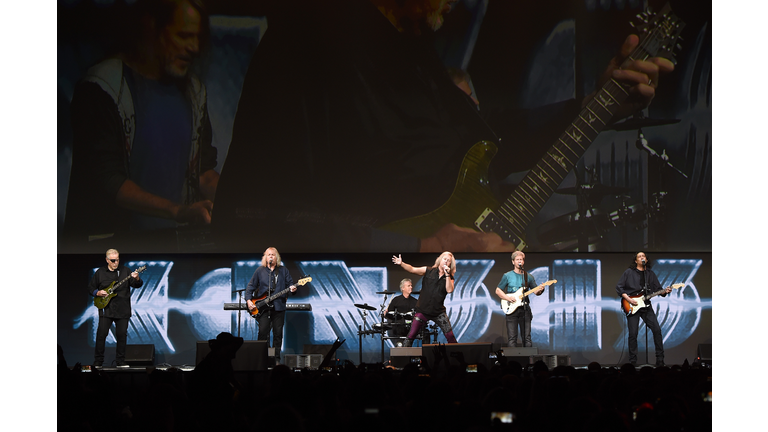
point(638, 280)
point(436, 284)
point(270, 278)
point(509, 288)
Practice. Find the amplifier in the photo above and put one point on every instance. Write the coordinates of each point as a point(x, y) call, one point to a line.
point(301, 361)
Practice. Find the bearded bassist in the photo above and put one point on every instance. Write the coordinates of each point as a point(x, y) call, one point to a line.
point(639, 280)
point(118, 310)
point(270, 277)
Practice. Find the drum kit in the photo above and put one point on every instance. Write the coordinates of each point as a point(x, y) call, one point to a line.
point(394, 326)
point(587, 229)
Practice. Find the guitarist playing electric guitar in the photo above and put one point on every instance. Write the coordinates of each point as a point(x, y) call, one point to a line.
point(511, 283)
point(270, 278)
point(639, 279)
point(118, 310)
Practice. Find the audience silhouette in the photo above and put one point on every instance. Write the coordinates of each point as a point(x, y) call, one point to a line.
point(378, 397)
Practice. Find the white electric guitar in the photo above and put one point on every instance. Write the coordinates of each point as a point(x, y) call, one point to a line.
point(508, 307)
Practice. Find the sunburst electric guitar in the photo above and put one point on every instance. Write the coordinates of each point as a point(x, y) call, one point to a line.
point(264, 303)
point(627, 307)
point(473, 204)
point(102, 302)
point(509, 307)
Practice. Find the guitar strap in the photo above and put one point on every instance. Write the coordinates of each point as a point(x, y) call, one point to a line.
point(526, 300)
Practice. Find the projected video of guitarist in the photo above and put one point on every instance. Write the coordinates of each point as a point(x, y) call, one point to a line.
point(266, 296)
point(637, 285)
point(385, 152)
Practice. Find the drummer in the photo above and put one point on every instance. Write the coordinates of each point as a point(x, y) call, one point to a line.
point(399, 307)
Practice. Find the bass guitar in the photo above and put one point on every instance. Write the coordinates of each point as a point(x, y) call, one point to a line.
point(263, 303)
point(508, 307)
point(472, 202)
point(627, 307)
point(102, 302)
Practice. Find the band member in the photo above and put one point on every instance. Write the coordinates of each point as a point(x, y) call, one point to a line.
point(270, 278)
point(437, 283)
point(639, 279)
point(511, 283)
point(402, 304)
point(118, 310)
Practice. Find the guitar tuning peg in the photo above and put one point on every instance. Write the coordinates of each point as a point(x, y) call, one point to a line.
point(678, 46)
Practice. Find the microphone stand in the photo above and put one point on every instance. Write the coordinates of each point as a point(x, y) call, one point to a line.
point(523, 299)
point(239, 308)
point(381, 318)
point(645, 294)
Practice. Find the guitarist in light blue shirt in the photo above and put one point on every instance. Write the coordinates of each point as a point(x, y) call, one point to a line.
point(509, 289)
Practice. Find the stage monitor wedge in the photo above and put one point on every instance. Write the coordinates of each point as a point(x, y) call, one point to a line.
point(252, 356)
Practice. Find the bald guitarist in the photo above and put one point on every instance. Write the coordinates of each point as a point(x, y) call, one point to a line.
point(511, 283)
point(117, 311)
point(639, 280)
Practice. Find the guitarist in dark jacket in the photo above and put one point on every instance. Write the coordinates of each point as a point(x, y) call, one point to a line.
point(118, 310)
point(639, 279)
point(269, 279)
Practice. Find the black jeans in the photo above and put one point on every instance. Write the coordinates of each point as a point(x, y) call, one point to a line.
point(633, 324)
point(121, 334)
point(272, 321)
point(520, 318)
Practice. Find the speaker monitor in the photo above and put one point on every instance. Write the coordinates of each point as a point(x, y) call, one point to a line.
point(251, 356)
point(472, 353)
point(552, 361)
point(704, 352)
point(140, 355)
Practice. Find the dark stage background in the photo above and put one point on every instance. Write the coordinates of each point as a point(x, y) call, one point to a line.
point(182, 301)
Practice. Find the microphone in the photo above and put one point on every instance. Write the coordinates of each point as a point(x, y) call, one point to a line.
point(520, 266)
point(642, 144)
point(643, 261)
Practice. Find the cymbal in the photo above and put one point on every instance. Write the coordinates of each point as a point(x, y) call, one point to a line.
point(633, 124)
point(365, 306)
point(386, 292)
point(596, 189)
